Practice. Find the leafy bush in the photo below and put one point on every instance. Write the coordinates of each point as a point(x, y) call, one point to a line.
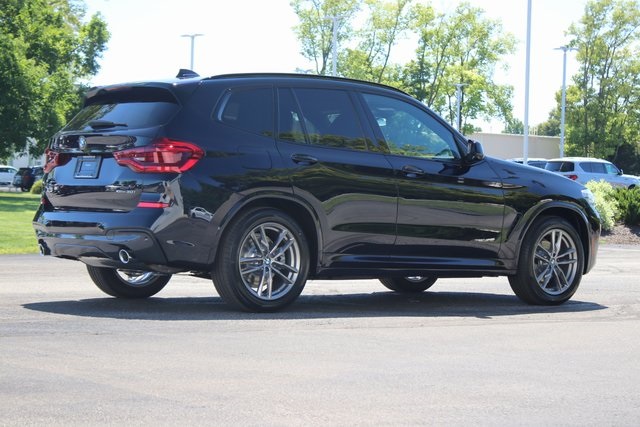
point(606, 202)
point(36, 188)
point(629, 205)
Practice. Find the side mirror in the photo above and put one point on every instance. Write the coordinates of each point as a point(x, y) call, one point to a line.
point(474, 151)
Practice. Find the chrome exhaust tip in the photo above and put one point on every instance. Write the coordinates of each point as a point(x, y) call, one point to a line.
point(124, 256)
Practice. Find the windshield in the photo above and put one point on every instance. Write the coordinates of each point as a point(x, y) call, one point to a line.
point(129, 107)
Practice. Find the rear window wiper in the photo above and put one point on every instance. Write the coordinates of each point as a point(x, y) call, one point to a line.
point(100, 124)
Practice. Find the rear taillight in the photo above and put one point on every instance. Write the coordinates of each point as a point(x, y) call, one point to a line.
point(45, 202)
point(163, 155)
point(55, 159)
point(572, 176)
point(158, 205)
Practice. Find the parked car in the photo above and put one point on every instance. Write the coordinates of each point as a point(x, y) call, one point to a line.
point(25, 177)
point(585, 169)
point(535, 161)
point(262, 181)
point(6, 175)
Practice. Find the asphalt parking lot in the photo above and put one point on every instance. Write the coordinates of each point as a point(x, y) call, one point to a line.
point(347, 353)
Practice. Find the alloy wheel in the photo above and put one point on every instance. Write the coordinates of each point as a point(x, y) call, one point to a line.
point(269, 261)
point(555, 261)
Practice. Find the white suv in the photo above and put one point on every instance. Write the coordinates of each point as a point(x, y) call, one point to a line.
point(585, 169)
point(6, 174)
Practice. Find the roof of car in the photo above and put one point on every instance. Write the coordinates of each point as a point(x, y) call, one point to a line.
point(185, 78)
point(579, 159)
point(300, 77)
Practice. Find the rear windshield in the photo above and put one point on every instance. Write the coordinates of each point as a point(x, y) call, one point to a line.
point(126, 108)
point(559, 166)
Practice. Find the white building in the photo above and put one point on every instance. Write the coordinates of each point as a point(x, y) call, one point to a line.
point(23, 159)
point(509, 146)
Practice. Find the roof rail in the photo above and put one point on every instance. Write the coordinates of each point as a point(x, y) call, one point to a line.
point(303, 76)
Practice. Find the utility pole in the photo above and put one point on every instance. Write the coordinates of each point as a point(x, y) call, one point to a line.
point(459, 105)
point(335, 20)
point(564, 50)
point(525, 154)
point(192, 37)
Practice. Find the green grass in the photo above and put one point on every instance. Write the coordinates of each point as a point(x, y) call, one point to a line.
point(16, 232)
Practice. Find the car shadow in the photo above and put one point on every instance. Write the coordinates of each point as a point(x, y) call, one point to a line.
point(378, 304)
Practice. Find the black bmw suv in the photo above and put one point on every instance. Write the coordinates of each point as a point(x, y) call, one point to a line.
point(263, 181)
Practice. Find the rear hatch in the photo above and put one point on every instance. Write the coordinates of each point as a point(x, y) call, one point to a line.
point(113, 156)
point(565, 168)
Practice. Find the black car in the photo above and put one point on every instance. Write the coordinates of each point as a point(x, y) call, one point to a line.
point(535, 162)
point(25, 177)
point(262, 181)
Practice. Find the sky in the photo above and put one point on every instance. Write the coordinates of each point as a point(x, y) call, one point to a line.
point(257, 36)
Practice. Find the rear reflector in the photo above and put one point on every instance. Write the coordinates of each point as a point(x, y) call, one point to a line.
point(164, 155)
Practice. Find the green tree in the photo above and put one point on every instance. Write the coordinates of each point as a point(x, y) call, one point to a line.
point(315, 30)
point(46, 50)
point(604, 114)
point(386, 22)
point(514, 126)
point(550, 127)
point(425, 74)
point(461, 48)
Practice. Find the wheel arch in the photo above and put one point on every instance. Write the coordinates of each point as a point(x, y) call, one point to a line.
point(573, 215)
point(303, 215)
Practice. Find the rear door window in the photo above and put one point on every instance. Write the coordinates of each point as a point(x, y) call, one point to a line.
point(328, 118)
point(290, 120)
point(593, 167)
point(249, 109)
point(587, 167)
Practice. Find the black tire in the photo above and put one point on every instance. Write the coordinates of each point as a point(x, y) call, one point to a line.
point(412, 284)
point(262, 262)
point(551, 263)
point(127, 283)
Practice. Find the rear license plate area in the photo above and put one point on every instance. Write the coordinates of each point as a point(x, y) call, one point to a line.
point(87, 167)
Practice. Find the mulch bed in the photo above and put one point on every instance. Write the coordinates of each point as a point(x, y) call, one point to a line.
point(622, 235)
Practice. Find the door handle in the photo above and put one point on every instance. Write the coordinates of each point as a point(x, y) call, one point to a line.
point(304, 159)
point(412, 171)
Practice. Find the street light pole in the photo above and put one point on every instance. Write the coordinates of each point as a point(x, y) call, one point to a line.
point(525, 154)
point(192, 37)
point(335, 19)
point(459, 104)
point(564, 50)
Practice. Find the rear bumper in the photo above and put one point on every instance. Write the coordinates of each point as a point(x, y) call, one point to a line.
point(161, 240)
point(117, 248)
point(98, 239)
